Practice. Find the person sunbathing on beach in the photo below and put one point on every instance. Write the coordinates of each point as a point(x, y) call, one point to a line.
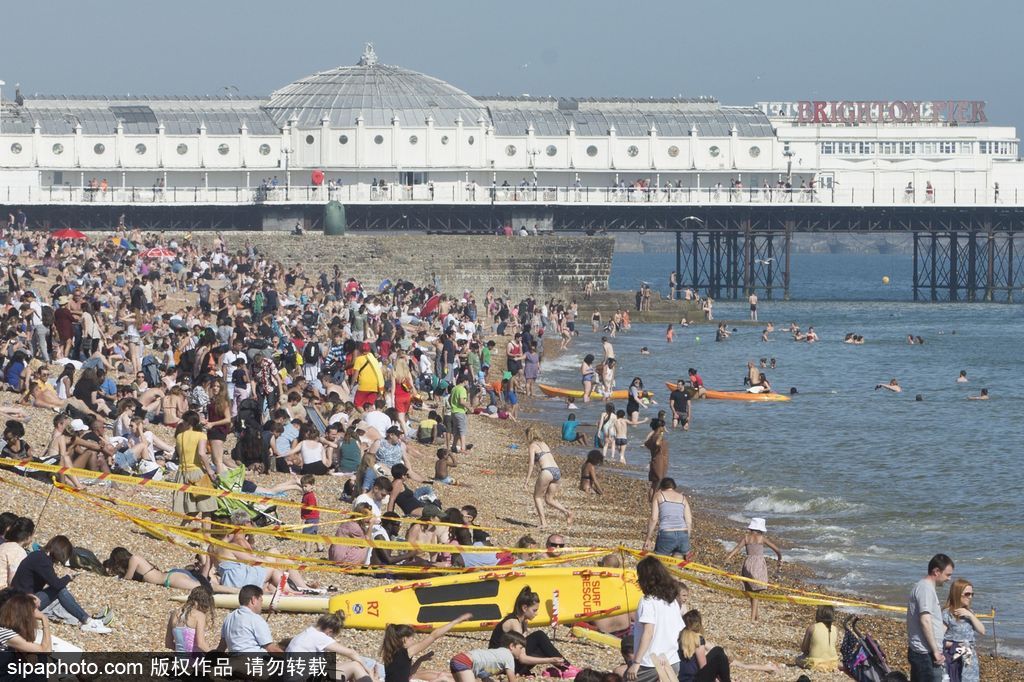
point(236, 565)
point(893, 386)
point(127, 566)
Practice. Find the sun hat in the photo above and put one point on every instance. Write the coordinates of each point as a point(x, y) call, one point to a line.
point(757, 524)
point(78, 425)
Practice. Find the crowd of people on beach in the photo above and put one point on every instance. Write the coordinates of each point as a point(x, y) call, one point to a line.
point(313, 375)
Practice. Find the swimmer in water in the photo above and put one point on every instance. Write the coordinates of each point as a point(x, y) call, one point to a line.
point(645, 351)
point(771, 363)
point(962, 379)
point(983, 396)
point(910, 339)
point(849, 338)
point(893, 386)
point(811, 335)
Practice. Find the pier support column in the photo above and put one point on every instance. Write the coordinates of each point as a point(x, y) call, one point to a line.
point(935, 259)
point(679, 266)
point(785, 275)
point(990, 249)
point(972, 269)
point(916, 280)
point(953, 272)
point(748, 259)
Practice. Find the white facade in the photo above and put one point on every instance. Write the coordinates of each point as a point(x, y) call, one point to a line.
point(434, 142)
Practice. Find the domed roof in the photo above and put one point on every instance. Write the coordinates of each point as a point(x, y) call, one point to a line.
point(375, 91)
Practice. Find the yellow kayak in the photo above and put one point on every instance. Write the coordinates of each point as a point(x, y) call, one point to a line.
point(740, 395)
point(556, 392)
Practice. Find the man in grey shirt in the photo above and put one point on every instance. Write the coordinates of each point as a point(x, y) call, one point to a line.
point(924, 623)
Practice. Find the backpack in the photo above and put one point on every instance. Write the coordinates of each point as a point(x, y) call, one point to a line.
point(288, 356)
point(47, 315)
point(311, 353)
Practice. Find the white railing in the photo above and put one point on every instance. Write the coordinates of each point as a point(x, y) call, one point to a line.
point(461, 193)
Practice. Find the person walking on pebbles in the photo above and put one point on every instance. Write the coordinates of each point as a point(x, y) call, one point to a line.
point(546, 486)
point(755, 566)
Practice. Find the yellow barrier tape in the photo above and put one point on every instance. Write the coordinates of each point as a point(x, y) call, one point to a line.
point(33, 465)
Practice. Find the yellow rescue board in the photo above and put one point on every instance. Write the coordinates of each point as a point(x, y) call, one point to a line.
point(583, 594)
point(294, 604)
point(597, 637)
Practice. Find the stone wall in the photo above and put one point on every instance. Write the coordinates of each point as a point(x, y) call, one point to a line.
point(519, 265)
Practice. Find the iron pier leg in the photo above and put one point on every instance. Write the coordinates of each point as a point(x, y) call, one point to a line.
point(679, 265)
point(695, 257)
point(771, 265)
point(990, 279)
point(748, 259)
point(916, 282)
point(954, 270)
point(785, 275)
point(1009, 267)
point(934, 255)
point(972, 270)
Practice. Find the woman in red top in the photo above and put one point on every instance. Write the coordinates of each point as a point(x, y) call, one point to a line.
point(404, 388)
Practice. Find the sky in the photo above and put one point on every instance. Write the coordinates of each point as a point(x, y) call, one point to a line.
point(741, 51)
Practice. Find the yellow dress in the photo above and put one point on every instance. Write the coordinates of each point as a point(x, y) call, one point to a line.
point(190, 470)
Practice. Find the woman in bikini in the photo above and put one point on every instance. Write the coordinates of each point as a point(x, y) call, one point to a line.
point(588, 376)
point(546, 487)
point(128, 566)
point(58, 447)
point(173, 405)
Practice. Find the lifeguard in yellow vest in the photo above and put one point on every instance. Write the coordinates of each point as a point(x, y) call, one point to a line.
point(369, 376)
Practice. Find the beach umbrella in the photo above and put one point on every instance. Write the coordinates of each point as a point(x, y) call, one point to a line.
point(158, 252)
point(431, 305)
point(68, 233)
point(122, 242)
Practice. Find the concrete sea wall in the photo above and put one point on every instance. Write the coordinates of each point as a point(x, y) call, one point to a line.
point(518, 266)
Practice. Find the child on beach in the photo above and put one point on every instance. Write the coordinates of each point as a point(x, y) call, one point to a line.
point(309, 514)
point(588, 474)
point(511, 400)
point(621, 434)
point(445, 461)
point(487, 663)
point(400, 652)
point(755, 566)
point(569, 431)
point(469, 514)
point(570, 404)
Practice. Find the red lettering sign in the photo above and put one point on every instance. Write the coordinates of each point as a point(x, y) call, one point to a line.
point(372, 608)
point(894, 111)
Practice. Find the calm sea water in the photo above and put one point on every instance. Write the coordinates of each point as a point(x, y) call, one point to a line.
point(866, 485)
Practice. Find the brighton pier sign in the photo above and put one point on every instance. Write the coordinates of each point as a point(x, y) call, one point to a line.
point(879, 111)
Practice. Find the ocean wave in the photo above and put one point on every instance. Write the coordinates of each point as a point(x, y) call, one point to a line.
point(780, 504)
point(812, 556)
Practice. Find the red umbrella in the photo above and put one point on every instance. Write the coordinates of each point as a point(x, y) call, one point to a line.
point(68, 233)
point(430, 306)
point(158, 252)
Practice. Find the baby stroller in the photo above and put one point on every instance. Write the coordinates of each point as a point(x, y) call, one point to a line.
point(234, 481)
point(249, 449)
point(862, 657)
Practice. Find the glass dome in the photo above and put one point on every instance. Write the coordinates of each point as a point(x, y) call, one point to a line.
point(375, 91)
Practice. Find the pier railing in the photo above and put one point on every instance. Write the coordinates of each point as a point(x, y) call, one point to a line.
point(469, 194)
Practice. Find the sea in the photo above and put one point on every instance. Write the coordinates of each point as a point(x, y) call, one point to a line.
point(863, 485)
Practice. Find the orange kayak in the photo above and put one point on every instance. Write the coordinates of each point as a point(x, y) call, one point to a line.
point(739, 395)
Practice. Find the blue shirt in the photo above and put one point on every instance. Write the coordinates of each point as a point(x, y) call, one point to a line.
point(245, 632)
point(569, 427)
point(287, 438)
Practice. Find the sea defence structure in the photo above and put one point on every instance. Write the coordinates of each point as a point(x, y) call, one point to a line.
point(514, 266)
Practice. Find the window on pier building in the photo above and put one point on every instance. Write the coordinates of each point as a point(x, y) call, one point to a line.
point(908, 148)
point(947, 147)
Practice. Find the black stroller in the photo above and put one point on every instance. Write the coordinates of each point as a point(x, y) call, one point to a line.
point(862, 657)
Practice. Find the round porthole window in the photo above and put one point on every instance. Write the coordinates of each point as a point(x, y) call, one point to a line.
point(16, 148)
point(551, 150)
point(511, 150)
point(98, 149)
point(182, 149)
point(755, 152)
point(378, 139)
point(632, 150)
point(343, 139)
point(413, 139)
point(58, 148)
point(444, 139)
point(673, 151)
point(140, 149)
point(591, 150)
point(470, 140)
point(309, 139)
point(714, 151)
point(264, 149)
point(223, 149)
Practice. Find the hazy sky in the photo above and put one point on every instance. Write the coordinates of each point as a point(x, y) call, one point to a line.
point(740, 51)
